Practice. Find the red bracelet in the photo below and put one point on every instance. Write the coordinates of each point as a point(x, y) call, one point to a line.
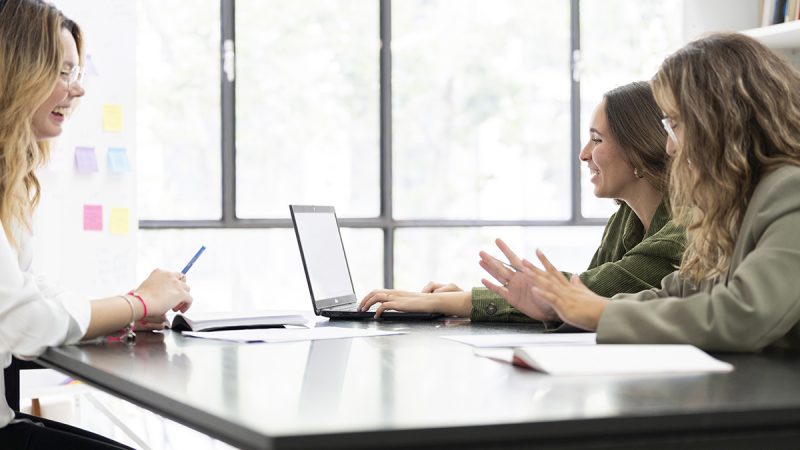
point(144, 305)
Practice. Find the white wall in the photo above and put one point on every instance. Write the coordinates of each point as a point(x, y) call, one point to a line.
point(96, 263)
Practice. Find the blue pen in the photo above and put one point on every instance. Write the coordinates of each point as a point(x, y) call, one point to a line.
point(194, 258)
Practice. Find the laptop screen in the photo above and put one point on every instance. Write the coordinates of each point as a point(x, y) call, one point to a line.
point(322, 251)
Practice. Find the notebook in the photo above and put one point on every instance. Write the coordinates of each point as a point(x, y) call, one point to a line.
point(617, 359)
point(327, 271)
point(235, 320)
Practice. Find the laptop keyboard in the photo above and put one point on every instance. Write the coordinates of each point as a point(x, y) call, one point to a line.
point(350, 307)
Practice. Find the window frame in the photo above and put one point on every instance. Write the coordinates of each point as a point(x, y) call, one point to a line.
point(385, 221)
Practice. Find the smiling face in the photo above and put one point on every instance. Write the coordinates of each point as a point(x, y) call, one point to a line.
point(49, 117)
point(612, 174)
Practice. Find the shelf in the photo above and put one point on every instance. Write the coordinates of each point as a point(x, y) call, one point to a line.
point(782, 35)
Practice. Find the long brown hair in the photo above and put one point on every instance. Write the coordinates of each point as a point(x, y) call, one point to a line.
point(633, 118)
point(31, 56)
point(738, 105)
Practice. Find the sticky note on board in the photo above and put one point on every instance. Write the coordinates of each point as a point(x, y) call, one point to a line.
point(118, 223)
point(91, 68)
point(93, 217)
point(85, 160)
point(112, 118)
point(118, 160)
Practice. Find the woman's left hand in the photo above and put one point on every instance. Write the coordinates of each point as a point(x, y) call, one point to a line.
point(150, 324)
point(574, 303)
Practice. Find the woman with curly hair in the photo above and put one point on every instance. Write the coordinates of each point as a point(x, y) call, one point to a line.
point(732, 110)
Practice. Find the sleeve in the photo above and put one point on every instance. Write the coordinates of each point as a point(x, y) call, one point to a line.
point(490, 307)
point(29, 320)
point(643, 267)
point(758, 305)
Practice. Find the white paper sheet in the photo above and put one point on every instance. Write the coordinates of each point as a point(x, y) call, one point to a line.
point(287, 334)
point(619, 359)
point(521, 339)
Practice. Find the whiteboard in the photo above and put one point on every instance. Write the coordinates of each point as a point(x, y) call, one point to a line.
point(97, 263)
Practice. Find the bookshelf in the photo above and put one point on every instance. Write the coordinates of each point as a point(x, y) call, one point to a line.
point(783, 36)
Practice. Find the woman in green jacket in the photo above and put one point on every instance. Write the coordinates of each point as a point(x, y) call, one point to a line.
point(640, 244)
point(732, 110)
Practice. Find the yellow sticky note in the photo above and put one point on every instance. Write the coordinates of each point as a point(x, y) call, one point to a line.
point(112, 118)
point(118, 223)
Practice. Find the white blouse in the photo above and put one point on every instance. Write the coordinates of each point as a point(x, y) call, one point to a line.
point(33, 314)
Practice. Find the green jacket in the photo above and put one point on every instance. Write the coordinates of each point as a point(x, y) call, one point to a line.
point(757, 303)
point(628, 260)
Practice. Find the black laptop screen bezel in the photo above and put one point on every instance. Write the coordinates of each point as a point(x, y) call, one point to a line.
point(323, 303)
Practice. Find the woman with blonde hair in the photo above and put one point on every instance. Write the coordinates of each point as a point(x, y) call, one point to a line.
point(41, 56)
point(732, 110)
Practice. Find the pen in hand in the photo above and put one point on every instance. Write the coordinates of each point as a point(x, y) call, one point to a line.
point(507, 265)
point(194, 258)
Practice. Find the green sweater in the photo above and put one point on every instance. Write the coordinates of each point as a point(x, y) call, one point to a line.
point(628, 260)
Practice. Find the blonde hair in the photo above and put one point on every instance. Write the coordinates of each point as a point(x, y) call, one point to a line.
point(738, 106)
point(31, 56)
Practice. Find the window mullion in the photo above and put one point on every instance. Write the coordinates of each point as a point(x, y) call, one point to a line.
point(575, 112)
point(228, 109)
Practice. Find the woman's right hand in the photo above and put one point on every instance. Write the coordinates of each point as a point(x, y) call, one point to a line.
point(448, 303)
point(515, 286)
point(164, 291)
point(433, 287)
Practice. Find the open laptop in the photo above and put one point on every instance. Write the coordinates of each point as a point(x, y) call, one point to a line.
point(327, 271)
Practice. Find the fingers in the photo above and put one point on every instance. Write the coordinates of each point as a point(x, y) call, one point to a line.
point(184, 305)
point(499, 290)
point(156, 323)
point(367, 301)
point(512, 257)
point(378, 295)
point(545, 262)
point(383, 307)
point(430, 287)
point(494, 268)
point(528, 266)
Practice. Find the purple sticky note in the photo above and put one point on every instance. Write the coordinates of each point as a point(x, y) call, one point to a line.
point(85, 160)
point(118, 160)
point(93, 217)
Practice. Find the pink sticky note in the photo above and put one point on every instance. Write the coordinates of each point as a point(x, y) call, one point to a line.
point(93, 217)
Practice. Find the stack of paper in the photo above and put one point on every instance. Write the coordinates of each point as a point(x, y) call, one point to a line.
point(618, 359)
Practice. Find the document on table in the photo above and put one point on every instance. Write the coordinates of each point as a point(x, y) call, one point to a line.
point(288, 334)
point(520, 339)
point(617, 359)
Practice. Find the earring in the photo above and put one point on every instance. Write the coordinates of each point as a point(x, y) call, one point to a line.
point(636, 173)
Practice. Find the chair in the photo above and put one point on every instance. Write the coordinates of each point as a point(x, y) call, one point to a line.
point(11, 375)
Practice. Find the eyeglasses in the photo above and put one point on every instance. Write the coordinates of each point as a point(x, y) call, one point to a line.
point(668, 125)
point(75, 74)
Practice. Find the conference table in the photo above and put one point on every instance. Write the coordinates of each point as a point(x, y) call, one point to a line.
point(418, 390)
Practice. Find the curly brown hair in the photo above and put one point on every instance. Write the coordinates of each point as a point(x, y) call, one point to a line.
point(737, 105)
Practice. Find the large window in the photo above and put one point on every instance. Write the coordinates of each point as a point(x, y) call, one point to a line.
point(433, 126)
point(178, 109)
point(307, 88)
point(481, 109)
